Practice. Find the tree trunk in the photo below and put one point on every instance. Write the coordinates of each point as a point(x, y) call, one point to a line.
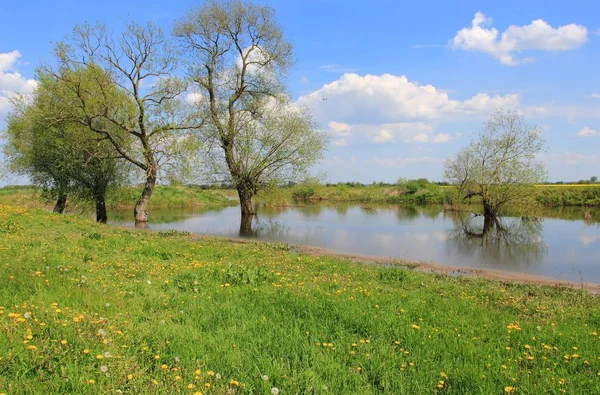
point(140, 210)
point(246, 194)
point(101, 215)
point(489, 211)
point(61, 203)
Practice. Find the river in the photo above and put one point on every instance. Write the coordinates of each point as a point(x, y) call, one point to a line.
point(562, 245)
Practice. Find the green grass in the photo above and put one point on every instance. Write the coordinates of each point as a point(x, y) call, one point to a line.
point(162, 197)
point(172, 310)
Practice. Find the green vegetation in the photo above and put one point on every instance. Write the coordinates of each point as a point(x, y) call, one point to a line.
point(124, 198)
point(89, 308)
point(569, 195)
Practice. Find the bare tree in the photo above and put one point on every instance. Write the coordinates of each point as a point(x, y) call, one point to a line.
point(239, 59)
point(128, 89)
point(501, 167)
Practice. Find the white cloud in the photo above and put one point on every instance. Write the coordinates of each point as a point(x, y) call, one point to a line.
point(405, 161)
point(304, 80)
point(387, 98)
point(384, 136)
point(538, 35)
point(442, 138)
point(587, 132)
point(11, 81)
point(340, 142)
point(339, 128)
point(193, 98)
point(595, 95)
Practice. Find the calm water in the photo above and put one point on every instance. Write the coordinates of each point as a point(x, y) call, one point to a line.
point(562, 245)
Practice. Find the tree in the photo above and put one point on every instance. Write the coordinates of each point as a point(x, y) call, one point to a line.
point(501, 167)
point(129, 90)
point(57, 153)
point(238, 62)
point(593, 179)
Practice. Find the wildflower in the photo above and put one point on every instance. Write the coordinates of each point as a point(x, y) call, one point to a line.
point(414, 326)
point(129, 377)
point(210, 373)
point(102, 332)
point(27, 315)
point(99, 356)
point(91, 381)
point(207, 385)
point(164, 367)
point(275, 391)
point(63, 342)
point(509, 389)
point(157, 357)
point(234, 382)
point(86, 351)
point(104, 368)
point(154, 381)
point(190, 386)
point(106, 354)
point(197, 372)
point(32, 347)
point(265, 377)
point(218, 376)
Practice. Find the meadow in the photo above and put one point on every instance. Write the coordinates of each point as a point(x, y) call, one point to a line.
point(89, 308)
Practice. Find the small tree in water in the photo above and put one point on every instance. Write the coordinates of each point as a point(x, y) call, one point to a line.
point(501, 167)
point(238, 61)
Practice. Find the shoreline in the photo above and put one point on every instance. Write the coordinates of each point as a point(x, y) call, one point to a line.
point(422, 266)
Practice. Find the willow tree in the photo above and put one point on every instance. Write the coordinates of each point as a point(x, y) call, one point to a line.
point(238, 61)
point(46, 144)
point(130, 89)
point(501, 167)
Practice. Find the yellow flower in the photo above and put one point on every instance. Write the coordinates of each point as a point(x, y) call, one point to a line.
point(99, 356)
point(157, 357)
point(91, 381)
point(86, 351)
point(234, 382)
point(210, 373)
point(129, 377)
point(191, 386)
point(207, 385)
point(155, 382)
point(509, 389)
point(164, 367)
point(413, 326)
point(198, 372)
point(31, 347)
point(63, 342)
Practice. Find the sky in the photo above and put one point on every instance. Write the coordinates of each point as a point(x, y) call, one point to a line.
point(406, 84)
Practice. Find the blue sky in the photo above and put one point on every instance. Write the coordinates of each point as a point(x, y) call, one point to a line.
point(407, 83)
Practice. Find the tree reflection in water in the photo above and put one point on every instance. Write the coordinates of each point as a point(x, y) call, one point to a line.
point(498, 240)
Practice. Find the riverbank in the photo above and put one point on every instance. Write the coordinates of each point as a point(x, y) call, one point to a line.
point(190, 196)
point(93, 308)
point(125, 198)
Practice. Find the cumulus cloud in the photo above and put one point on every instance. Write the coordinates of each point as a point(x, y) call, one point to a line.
point(587, 132)
point(391, 109)
point(11, 81)
point(390, 98)
point(538, 35)
point(595, 95)
point(193, 98)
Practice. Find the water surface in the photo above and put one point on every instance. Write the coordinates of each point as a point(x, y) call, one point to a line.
point(561, 245)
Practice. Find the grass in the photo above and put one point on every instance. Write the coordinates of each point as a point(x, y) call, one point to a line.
point(548, 195)
point(162, 197)
point(87, 308)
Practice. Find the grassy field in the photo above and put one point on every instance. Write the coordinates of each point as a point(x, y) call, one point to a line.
point(184, 196)
point(549, 195)
point(162, 197)
point(86, 308)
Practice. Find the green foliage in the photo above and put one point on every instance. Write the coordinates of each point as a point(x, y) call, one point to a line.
point(247, 310)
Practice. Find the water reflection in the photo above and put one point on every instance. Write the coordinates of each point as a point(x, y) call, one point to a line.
point(505, 240)
point(563, 245)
